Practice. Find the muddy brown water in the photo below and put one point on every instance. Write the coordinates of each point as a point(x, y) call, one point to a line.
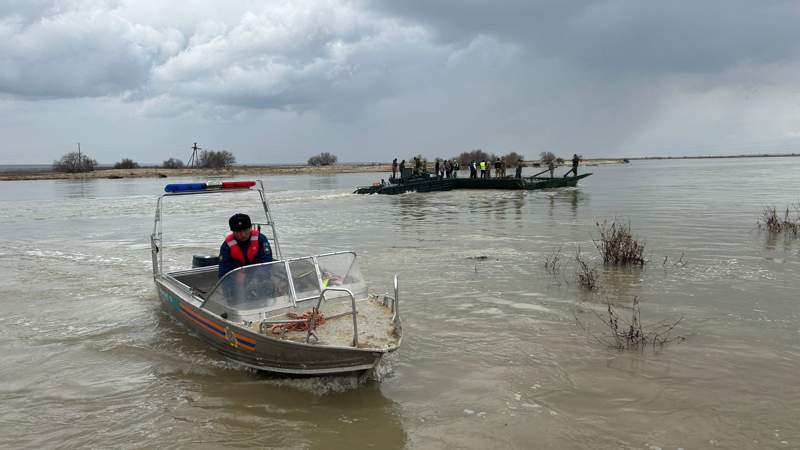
point(492, 356)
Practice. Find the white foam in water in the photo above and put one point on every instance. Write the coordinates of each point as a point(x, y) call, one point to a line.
point(322, 385)
point(302, 198)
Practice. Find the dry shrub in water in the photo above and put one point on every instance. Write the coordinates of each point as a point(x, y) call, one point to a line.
point(587, 277)
point(775, 224)
point(633, 335)
point(552, 263)
point(617, 245)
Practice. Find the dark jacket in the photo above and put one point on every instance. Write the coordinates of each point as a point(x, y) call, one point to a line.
point(227, 263)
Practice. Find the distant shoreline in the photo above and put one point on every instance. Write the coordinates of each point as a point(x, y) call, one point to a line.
point(12, 174)
point(283, 169)
point(765, 155)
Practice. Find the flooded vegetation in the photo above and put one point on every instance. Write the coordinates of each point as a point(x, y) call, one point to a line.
point(774, 222)
point(632, 334)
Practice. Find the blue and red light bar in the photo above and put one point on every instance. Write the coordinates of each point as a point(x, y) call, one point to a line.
point(208, 186)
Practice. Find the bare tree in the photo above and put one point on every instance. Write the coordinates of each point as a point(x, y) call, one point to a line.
point(513, 159)
point(172, 163)
point(474, 155)
point(323, 159)
point(75, 162)
point(547, 158)
point(126, 164)
point(211, 159)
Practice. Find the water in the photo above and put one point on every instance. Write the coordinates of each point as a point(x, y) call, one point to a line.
point(492, 355)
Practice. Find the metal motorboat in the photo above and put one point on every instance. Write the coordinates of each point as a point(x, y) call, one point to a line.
point(307, 315)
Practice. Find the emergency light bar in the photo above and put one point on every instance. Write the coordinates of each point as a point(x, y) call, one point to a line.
point(209, 185)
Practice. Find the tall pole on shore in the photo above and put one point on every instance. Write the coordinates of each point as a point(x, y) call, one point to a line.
point(193, 159)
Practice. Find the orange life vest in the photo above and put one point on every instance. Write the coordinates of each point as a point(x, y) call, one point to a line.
point(236, 250)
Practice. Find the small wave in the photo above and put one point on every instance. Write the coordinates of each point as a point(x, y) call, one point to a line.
point(75, 257)
point(315, 196)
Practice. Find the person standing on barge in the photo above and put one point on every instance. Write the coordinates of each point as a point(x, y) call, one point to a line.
point(575, 161)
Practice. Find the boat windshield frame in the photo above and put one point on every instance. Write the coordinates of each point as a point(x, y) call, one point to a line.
point(293, 297)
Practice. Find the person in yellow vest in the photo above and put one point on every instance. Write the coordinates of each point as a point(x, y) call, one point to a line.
point(483, 169)
point(329, 279)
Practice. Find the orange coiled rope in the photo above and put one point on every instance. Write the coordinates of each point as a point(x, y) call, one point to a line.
point(313, 318)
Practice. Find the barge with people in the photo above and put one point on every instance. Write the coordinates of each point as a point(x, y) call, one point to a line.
point(308, 315)
point(428, 183)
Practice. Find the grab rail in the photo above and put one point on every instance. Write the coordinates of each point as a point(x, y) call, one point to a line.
point(396, 302)
point(354, 312)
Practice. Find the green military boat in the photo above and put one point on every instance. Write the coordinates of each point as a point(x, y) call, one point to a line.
point(427, 183)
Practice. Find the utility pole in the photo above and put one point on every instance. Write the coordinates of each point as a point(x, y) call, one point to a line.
point(193, 159)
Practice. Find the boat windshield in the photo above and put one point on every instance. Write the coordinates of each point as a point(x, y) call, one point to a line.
point(280, 284)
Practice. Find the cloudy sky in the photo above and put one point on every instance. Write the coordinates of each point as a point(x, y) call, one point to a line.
point(279, 81)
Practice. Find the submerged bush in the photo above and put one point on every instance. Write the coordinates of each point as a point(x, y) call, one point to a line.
point(633, 334)
point(587, 276)
point(775, 224)
point(552, 263)
point(617, 245)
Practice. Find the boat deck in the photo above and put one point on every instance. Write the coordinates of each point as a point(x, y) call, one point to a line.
point(375, 327)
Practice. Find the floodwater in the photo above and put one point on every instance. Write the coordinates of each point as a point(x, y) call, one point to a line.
point(492, 357)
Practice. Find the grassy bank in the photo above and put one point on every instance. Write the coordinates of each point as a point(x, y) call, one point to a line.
point(152, 172)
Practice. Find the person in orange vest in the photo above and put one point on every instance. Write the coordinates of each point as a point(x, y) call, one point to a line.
point(243, 246)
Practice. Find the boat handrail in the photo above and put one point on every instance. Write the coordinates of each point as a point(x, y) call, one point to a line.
point(396, 302)
point(354, 312)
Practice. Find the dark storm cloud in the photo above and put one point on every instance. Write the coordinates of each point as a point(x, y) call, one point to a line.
point(81, 53)
point(624, 35)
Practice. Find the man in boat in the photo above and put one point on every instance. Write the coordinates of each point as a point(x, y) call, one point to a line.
point(575, 161)
point(394, 168)
point(243, 246)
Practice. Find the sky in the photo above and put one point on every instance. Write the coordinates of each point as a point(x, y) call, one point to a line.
point(280, 81)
